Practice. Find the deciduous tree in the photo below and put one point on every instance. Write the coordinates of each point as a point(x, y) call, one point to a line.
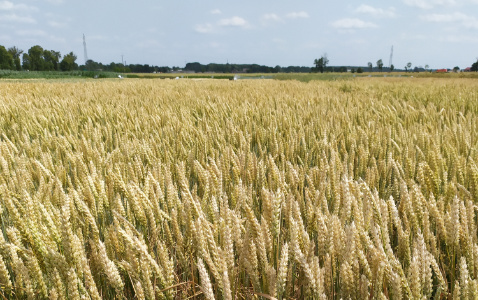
point(380, 64)
point(321, 63)
point(15, 52)
point(36, 63)
point(6, 59)
point(68, 63)
point(474, 67)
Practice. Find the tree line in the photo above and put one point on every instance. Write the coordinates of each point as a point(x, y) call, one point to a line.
point(36, 59)
point(39, 59)
point(242, 68)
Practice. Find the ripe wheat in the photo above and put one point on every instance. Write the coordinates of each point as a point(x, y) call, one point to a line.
point(231, 190)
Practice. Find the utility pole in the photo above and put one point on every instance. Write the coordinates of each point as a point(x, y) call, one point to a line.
point(391, 56)
point(85, 53)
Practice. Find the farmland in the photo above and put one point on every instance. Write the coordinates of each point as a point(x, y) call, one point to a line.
point(218, 189)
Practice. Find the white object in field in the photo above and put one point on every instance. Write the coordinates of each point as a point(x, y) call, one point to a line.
point(119, 76)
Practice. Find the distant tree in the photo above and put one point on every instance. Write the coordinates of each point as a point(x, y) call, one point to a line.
point(370, 66)
point(456, 69)
point(68, 63)
point(325, 60)
point(6, 59)
point(37, 63)
point(194, 66)
point(164, 69)
point(380, 64)
point(15, 52)
point(392, 67)
point(353, 70)
point(427, 67)
point(360, 70)
point(317, 63)
point(277, 69)
point(321, 63)
point(56, 61)
point(26, 62)
point(409, 65)
point(51, 60)
point(474, 66)
point(92, 65)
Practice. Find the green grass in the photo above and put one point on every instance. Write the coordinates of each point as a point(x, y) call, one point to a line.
point(180, 75)
point(9, 74)
point(303, 77)
point(306, 77)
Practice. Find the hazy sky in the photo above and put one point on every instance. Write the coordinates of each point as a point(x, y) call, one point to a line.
point(440, 33)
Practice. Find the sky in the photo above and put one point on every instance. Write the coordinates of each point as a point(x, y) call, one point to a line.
point(437, 33)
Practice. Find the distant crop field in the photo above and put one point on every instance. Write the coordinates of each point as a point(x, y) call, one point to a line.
point(174, 189)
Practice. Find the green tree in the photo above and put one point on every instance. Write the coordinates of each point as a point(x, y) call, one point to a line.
point(456, 69)
point(380, 64)
point(474, 66)
point(325, 60)
point(408, 67)
point(68, 63)
point(52, 58)
point(6, 59)
point(360, 70)
point(392, 67)
point(26, 61)
point(370, 66)
point(36, 60)
point(427, 67)
point(321, 63)
point(92, 65)
point(15, 52)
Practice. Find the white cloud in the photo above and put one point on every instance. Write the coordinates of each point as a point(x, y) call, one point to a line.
point(271, 17)
point(350, 23)
point(428, 4)
point(297, 15)
point(376, 12)
point(10, 6)
point(34, 32)
point(457, 17)
point(55, 24)
point(278, 40)
point(216, 12)
point(148, 44)
point(233, 22)
point(17, 19)
point(204, 28)
point(230, 22)
point(458, 39)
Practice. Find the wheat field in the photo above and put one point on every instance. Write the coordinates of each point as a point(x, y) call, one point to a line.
point(259, 189)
